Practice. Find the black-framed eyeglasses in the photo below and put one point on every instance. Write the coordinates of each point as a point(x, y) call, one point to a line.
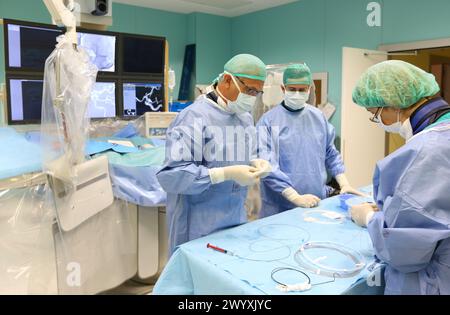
point(376, 117)
point(249, 90)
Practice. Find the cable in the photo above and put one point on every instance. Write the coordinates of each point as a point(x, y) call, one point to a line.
point(276, 270)
point(314, 266)
point(251, 245)
point(261, 231)
point(305, 286)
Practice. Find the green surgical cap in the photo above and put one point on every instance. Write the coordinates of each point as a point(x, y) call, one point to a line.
point(394, 83)
point(297, 74)
point(246, 66)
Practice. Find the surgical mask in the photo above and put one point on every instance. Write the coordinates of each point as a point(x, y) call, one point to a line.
point(244, 103)
point(395, 127)
point(406, 130)
point(296, 100)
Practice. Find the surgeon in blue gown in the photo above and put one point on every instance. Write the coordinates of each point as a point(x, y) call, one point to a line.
point(211, 155)
point(410, 224)
point(299, 143)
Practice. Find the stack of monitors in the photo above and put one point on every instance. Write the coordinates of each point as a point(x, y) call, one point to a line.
point(129, 82)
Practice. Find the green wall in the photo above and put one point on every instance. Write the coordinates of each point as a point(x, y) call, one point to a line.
point(314, 31)
point(213, 43)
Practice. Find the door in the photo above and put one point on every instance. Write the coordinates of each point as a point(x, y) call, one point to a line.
point(362, 142)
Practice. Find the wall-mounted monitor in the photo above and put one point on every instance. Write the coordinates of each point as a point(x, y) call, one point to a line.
point(25, 100)
point(25, 104)
point(103, 100)
point(143, 55)
point(140, 98)
point(101, 50)
point(28, 47)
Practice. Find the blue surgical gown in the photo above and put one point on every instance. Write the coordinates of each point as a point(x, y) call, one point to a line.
point(411, 233)
point(208, 137)
point(300, 147)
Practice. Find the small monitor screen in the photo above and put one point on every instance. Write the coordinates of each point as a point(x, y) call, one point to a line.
point(26, 100)
point(139, 98)
point(29, 47)
point(143, 55)
point(101, 50)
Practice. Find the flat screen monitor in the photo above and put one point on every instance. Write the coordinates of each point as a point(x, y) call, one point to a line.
point(139, 98)
point(26, 100)
point(103, 100)
point(29, 47)
point(143, 55)
point(101, 50)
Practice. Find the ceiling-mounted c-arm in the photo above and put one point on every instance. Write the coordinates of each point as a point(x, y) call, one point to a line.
point(61, 12)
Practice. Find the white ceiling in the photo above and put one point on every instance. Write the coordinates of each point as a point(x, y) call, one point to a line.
point(228, 8)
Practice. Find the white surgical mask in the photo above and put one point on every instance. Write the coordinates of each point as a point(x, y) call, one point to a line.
point(296, 100)
point(244, 103)
point(406, 130)
point(395, 127)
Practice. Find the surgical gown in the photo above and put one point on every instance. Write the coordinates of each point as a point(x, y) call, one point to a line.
point(300, 147)
point(209, 137)
point(412, 232)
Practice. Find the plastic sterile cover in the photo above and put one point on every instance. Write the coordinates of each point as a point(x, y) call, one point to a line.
point(68, 81)
point(37, 257)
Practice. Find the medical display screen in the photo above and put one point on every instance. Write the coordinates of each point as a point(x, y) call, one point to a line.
point(101, 49)
point(143, 55)
point(26, 100)
point(29, 47)
point(103, 100)
point(139, 98)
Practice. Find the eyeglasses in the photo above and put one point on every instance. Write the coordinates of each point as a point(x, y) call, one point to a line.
point(376, 117)
point(249, 90)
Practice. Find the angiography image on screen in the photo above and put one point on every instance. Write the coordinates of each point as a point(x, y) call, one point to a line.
point(139, 98)
point(103, 100)
point(101, 50)
point(26, 100)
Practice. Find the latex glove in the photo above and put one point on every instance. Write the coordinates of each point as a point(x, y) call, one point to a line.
point(363, 213)
point(244, 175)
point(263, 166)
point(346, 188)
point(304, 201)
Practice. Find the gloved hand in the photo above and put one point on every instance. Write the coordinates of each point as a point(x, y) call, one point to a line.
point(363, 213)
point(346, 188)
point(244, 175)
point(263, 166)
point(304, 201)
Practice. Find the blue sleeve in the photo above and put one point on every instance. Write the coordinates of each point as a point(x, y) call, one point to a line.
point(182, 172)
point(268, 150)
point(333, 159)
point(406, 249)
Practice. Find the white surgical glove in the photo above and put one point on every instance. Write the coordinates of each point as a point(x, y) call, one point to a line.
point(263, 166)
point(244, 175)
point(304, 201)
point(363, 213)
point(346, 188)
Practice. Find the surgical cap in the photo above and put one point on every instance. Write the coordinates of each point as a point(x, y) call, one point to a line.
point(297, 74)
point(395, 84)
point(246, 66)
